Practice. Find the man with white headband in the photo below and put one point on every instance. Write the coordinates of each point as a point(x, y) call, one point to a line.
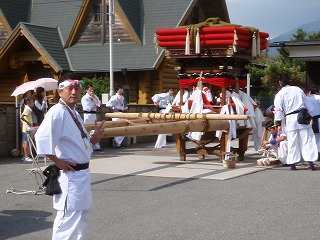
point(90, 104)
point(118, 104)
point(62, 138)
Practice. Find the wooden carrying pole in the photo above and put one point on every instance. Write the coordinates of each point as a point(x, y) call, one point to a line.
point(119, 123)
point(177, 116)
point(167, 128)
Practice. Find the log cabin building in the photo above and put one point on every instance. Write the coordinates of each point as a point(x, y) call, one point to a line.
point(41, 38)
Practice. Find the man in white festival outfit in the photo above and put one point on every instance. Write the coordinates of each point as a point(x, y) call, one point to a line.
point(90, 104)
point(118, 104)
point(62, 138)
point(301, 140)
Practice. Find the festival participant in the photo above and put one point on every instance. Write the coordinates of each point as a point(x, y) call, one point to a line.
point(170, 96)
point(63, 139)
point(117, 103)
point(314, 100)
point(90, 103)
point(27, 122)
point(288, 102)
point(186, 95)
point(207, 93)
point(163, 101)
point(276, 145)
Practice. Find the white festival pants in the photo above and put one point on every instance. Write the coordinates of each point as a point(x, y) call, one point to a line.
point(301, 142)
point(72, 225)
point(91, 118)
point(283, 151)
point(118, 139)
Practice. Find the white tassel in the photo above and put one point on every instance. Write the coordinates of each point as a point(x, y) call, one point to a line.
point(155, 38)
point(187, 49)
point(258, 44)
point(235, 38)
point(155, 41)
point(197, 42)
point(254, 45)
point(234, 47)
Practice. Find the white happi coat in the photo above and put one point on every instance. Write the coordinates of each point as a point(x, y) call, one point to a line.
point(185, 97)
point(59, 135)
point(162, 99)
point(89, 104)
point(301, 139)
point(117, 102)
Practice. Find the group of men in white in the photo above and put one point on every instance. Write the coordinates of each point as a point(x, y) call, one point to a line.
point(289, 141)
point(200, 100)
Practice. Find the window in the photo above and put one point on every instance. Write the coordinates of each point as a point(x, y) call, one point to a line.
point(97, 13)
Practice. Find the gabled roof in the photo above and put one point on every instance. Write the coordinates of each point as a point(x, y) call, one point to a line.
point(56, 13)
point(134, 12)
point(50, 40)
point(308, 51)
point(45, 40)
point(15, 11)
point(52, 22)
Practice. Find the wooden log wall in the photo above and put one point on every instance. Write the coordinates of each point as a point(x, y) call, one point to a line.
point(165, 78)
point(144, 88)
point(3, 33)
point(9, 80)
point(91, 31)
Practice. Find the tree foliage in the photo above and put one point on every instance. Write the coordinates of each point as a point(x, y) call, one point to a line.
point(100, 84)
point(266, 70)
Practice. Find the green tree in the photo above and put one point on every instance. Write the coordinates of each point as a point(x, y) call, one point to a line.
point(266, 69)
point(100, 84)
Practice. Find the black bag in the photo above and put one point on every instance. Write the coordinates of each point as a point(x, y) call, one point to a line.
point(315, 124)
point(304, 117)
point(52, 172)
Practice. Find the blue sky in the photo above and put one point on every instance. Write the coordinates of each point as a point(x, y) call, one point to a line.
point(273, 16)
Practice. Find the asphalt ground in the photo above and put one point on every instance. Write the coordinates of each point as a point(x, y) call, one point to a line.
point(272, 203)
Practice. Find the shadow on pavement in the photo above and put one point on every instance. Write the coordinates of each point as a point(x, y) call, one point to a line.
point(15, 223)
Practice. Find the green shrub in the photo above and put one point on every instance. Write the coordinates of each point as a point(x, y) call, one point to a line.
point(100, 84)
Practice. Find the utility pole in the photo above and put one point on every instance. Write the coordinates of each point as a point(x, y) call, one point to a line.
point(111, 21)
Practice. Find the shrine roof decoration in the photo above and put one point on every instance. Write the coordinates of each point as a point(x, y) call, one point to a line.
point(203, 38)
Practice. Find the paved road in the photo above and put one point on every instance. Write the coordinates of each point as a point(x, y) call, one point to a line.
point(271, 204)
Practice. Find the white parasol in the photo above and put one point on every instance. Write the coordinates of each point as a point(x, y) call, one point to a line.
point(47, 83)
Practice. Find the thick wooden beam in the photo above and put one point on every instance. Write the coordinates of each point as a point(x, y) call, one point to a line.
point(167, 128)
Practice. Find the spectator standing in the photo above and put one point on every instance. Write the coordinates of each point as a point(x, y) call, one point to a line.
point(288, 102)
point(27, 122)
point(41, 104)
point(90, 104)
point(64, 140)
point(22, 102)
point(118, 104)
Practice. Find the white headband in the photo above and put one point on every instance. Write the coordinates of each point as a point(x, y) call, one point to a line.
point(68, 83)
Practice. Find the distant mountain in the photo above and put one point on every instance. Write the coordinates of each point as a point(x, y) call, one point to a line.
point(310, 28)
